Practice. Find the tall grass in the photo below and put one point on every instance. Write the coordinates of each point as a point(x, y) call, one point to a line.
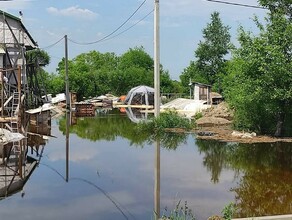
point(181, 212)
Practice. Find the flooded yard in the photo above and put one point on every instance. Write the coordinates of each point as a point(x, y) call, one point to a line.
point(106, 170)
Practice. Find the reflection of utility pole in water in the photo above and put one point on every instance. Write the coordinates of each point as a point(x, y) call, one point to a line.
point(157, 181)
point(67, 144)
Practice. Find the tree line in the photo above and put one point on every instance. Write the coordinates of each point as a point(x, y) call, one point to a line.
point(95, 73)
point(255, 80)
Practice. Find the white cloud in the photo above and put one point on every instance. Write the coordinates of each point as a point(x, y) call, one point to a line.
point(73, 11)
point(14, 5)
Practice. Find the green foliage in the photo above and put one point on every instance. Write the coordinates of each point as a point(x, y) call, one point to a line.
point(109, 127)
point(212, 50)
point(37, 57)
point(166, 120)
point(136, 57)
point(168, 128)
point(259, 79)
point(228, 211)
point(198, 115)
point(278, 6)
point(179, 213)
point(210, 53)
point(95, 73)
point(105, 127)
point(192, 73)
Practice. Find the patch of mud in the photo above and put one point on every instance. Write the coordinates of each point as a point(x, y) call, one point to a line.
point(217, 121)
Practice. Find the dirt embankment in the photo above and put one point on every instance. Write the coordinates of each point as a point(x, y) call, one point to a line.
point(216, 124)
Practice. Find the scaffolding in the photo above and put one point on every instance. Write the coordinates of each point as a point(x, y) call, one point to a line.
point(19, 85)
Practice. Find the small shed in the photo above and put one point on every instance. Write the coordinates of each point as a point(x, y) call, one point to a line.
point(202, 92)
point(140, 95)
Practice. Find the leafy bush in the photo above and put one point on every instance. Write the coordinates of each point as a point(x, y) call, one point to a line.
point(228, 211)
point(198, 115)
point(169, 119)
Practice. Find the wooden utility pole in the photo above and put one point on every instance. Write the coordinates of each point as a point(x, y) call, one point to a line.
point(156, 60)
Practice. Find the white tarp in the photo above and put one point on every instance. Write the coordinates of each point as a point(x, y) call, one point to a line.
point(7, 136)
point(189, 107)
point(141, 95)
point(136, 116)
point(59, 98)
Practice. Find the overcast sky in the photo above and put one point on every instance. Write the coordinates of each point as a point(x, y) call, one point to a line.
point(85, 21)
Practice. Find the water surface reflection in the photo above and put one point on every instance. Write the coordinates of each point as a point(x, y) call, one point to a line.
point(115, 173)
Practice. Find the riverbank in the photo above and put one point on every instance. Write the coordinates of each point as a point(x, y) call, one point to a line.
point(216, 124)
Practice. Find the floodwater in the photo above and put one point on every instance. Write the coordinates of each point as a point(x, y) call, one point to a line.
point(103, 168)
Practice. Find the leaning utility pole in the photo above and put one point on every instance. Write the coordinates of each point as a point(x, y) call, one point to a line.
point(156, 60)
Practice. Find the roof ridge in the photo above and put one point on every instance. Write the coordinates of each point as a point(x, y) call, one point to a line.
point(10, 15)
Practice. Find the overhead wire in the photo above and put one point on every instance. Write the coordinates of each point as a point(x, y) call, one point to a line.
point(106, 194)
point(236, 4)
point(52, 45)
point(130, 26)
point(110, 34)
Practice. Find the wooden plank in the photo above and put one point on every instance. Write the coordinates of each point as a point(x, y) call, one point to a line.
point(134, 106)
point(8, 100)
point(8, 119)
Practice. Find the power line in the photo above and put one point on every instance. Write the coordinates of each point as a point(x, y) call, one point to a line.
point(236, 4)
point(52, 45)
point(130, 26)
point(92, 184)
point(118, 28)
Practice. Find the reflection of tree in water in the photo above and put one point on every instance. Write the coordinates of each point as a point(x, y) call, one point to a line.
point(266, 184)
point(215, 157)
point(111, 126)
point(105, 127)
point(264, 192)
point(169, 140)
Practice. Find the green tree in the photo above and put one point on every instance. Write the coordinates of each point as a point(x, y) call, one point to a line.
point(89, 73)
point(37, 57)
point(191, 73)
point(259, 82)
point(212, 50)
point(36, 75)
point(95, 73)
point(55, 83)
point(278, 6)
point(135, 68)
